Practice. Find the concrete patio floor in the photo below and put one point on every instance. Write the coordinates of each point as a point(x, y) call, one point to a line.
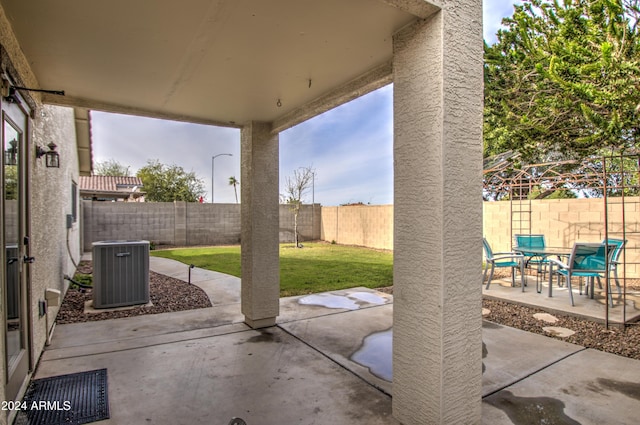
point(592, 309)
point(328, 361)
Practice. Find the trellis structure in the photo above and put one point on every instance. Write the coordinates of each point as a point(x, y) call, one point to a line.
point(614, 177)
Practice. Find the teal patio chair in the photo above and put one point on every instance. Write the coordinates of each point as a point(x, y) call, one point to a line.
point(513, 260)
point(534, 241)
point(618, 245)
point(587, 260)
point(615, 259)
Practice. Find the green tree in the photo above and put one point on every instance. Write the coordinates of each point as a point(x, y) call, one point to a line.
point(295, 187)
point(234, 182)
point(621, 176)
point(552, 193)
point(10, 182)
point(563, 77)
point(111, 167)
point(168, 183)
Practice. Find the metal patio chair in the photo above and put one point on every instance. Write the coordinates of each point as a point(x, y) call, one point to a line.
point(613, 265)
point(534, 241)
point(587, 260)
point(513, 260)
point(615, 259)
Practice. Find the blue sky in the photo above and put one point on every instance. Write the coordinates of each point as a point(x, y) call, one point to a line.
point(350, 147)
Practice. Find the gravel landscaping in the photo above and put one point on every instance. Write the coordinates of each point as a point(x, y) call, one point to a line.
point(623, 342)
point(587, 334)
point(168, 294)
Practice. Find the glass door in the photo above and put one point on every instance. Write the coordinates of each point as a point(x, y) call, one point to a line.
point(14, 209)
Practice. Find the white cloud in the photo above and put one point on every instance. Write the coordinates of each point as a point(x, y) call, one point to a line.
point(493, 11)
point(133, 141)
point(350, 148)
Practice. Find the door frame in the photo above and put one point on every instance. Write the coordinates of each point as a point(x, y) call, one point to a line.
point(17, 374)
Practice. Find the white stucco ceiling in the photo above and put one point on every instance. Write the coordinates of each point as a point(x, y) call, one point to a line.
point(218, 61)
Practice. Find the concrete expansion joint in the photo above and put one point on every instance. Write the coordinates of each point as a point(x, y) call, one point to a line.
point(136, 347)
point(535, 372)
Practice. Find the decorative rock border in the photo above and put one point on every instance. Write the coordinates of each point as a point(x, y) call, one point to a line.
point(553, 330)
point(558, 331)
point(546, 317)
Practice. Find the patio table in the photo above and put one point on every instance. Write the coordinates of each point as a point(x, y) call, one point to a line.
point(542, 253)
point(587, 260)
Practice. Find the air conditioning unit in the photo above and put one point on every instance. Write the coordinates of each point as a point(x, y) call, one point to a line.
point(120, 273)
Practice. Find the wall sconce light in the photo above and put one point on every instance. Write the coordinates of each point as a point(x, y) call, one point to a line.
point(52, 159)
point(11, 154)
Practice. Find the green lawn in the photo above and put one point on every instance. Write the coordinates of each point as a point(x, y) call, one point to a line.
point(317, 267)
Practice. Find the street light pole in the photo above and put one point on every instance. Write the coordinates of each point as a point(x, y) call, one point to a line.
point(212, 161)
point(313, 205)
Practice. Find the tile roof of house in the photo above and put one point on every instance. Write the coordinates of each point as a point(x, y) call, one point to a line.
point(108, 184)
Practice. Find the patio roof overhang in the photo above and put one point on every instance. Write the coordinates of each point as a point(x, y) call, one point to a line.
point(264, 66)
point(222, 62)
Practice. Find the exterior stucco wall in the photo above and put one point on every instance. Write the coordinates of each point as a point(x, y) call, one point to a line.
point(49, 198)
point(260, 256)
point(437, 331)
point(51, 202)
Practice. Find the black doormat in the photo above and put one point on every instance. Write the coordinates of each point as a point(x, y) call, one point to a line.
point(76, 398)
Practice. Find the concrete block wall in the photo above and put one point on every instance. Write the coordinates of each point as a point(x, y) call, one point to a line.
point(496, 227)
point(309, 223)
point(562, 221)
point(183, 223)
point(362, 225)
point(566, 221)
point(151, 221)
point(180, 224)
point(206, 224)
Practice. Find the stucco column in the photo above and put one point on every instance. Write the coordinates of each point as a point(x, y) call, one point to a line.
point(437, 340)
point(260, 218)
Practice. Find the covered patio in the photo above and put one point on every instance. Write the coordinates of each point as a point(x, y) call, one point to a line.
point(265, 67)
point(323, 363)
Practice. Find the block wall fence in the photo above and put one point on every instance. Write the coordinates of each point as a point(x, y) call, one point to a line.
point(565, 221)
point(183, 223)
point(562, 221)
point(362, 225)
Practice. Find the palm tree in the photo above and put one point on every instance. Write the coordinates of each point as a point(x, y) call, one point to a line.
point(234, 182)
